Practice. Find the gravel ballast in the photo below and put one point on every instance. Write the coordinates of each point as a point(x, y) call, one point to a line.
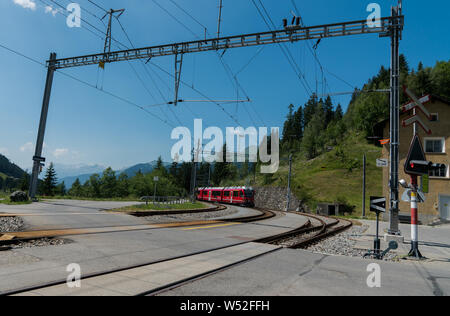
point(11, 224)
point(343, 244)
point(190, 217)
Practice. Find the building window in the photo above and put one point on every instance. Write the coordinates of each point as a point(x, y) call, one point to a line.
point(442, 173)
point(434, 117)
point(435, 145)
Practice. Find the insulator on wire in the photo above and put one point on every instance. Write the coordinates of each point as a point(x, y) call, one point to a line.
point(297, 21)
point(285, 22)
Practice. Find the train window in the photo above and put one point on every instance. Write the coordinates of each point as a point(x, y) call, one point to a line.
point(226, 193)
point(236, 194)
point(248, 193)
point(216, 193)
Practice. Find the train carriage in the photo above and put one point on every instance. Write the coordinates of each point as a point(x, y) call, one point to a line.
point(229, 195)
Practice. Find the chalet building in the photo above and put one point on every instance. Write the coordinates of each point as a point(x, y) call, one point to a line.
point(437, 150)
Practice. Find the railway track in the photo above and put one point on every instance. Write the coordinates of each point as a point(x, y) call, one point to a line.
point(314, 230)
point(15, 238)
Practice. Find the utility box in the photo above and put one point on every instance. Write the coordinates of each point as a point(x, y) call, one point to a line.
point(330, 209)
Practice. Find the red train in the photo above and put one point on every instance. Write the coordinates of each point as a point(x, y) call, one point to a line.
point(231, 195)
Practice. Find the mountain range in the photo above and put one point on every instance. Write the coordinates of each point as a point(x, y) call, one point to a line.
point(84, 176)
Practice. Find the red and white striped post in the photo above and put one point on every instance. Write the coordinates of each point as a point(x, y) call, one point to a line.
point(414, 221)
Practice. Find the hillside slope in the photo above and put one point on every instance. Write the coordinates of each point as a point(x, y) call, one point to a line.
point(10, 169)
point(333, 176)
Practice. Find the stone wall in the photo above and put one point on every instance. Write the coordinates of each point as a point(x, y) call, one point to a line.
point(275, 198)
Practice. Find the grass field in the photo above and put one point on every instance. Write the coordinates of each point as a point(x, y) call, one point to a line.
point(66, 197)
point(7, 201)
point(335, 175)
point(151, 207)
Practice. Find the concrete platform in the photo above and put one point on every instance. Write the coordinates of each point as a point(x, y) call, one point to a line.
point(150, 277)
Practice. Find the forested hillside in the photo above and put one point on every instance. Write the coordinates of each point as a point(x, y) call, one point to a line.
point(328, 146)
point(11, 175)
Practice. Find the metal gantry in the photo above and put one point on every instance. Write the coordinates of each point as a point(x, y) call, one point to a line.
point(289, 34)
point(388, 27)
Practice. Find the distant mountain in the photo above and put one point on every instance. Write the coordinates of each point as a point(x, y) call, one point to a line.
point(10, 169)
point(64, 171)
point(130, 172)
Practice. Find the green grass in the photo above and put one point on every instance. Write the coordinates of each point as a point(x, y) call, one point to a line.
point(334, 176)
point(7, 201)
point(89, 199)
point(3, 176)
point(151, 207)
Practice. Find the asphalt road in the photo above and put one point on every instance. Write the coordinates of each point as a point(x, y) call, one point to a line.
point(108, 251)
point(301, 273)
point(64, 214)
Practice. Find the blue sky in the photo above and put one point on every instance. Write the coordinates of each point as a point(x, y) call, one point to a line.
point(88, 126)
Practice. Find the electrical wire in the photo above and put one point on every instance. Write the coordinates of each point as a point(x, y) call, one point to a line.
point(88, 84)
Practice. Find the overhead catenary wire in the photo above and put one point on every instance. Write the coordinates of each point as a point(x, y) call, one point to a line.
point(88, 84)
point(232, 77)
point(286, 52)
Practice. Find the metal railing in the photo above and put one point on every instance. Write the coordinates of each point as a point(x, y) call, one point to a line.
point(164, 201)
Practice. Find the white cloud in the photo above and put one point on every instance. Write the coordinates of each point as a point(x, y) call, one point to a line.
point(60, 152)
point(27, 147)
point(49, 9)
point(27, 4)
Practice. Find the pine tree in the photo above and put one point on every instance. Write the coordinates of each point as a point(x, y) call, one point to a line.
point(309, 109)
point(298, 124)
point(76, 189)
point(60, 189)
point(339, 114)
point(329, 113)
point(50, 181)
point(108, 183)
point(288, 130)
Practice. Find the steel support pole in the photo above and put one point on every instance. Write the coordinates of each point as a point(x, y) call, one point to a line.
point(220, 18)
point(394, 127)
point(414, 221)
point(288, 205)
point(37, 159)
point(364, 188)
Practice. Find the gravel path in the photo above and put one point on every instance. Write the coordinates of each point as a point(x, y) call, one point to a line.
point(11, 224)
point(190, 217)
point(343, 244)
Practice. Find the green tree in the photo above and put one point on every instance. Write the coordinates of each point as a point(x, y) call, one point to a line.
point(108, 183)
point(50, 181)
point(76, 189)
point(339, 114)
point(123, 186)
point(25, 184)
point(61, 189)
point(288, 129)
point(329, 113)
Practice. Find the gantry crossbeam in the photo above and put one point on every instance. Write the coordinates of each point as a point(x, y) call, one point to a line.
point(289, 34)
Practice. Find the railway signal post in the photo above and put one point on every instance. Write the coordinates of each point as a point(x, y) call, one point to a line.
point(416, 165)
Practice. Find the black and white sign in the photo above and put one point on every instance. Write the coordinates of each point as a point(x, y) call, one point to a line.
point(378, 204)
